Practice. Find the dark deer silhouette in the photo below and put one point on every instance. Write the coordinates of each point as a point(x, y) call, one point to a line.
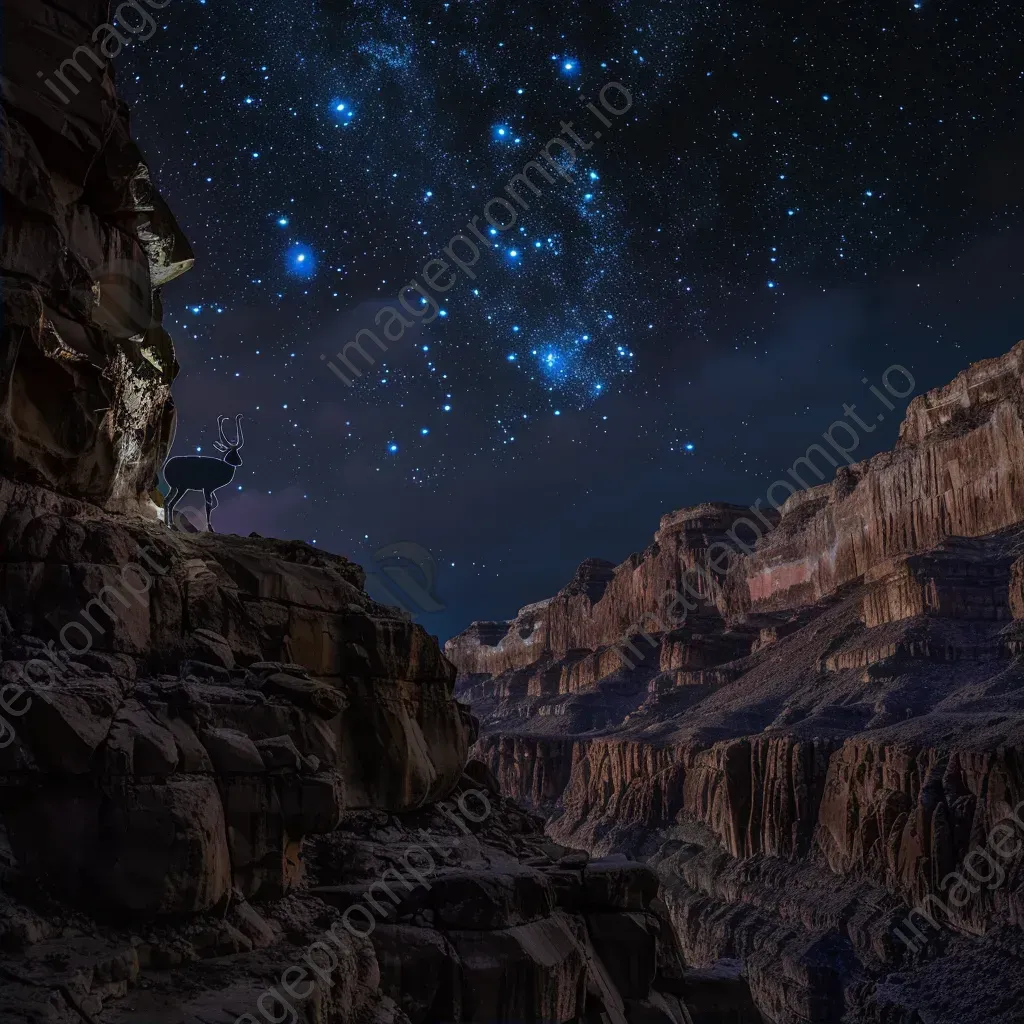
point(201, 473)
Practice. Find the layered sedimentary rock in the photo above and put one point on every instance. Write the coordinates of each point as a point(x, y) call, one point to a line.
point(807, 723)
point(88, 243)
point(955, 472)
point(603, 603)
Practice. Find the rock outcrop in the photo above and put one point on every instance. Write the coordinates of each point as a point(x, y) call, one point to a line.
point(222, 759)
point(811, 722)
point(233, 693)
point(88, 243)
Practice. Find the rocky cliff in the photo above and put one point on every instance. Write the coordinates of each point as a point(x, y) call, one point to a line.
point(88, 243)
point(811, 722)
point(233, 788)
point(223, 762)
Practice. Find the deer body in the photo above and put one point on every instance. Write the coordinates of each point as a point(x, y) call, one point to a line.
point(202, 473)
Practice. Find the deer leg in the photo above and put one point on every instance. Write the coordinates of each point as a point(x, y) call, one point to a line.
point(211, 500)
point(172, 499)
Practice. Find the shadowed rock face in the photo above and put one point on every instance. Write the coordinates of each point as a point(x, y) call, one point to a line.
point(221, 754)
point(87, 245)
point(818, 746)
point(246, 690)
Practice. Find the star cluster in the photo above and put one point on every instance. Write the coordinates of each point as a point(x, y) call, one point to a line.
point(316, 163)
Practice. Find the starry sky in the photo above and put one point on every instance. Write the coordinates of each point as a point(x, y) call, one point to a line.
point(800, 195)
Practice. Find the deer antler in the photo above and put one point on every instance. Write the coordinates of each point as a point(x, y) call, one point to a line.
point(224, 443)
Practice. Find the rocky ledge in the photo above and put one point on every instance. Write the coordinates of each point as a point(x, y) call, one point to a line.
point(810, 721)
point(233, 788)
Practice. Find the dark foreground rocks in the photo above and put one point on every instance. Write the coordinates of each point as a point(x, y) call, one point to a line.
point(235, 788)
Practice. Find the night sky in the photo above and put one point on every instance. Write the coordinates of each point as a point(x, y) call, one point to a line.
point(801, 195)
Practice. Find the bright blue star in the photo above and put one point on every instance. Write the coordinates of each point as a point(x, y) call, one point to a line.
point(300, 261)
point(502, 133)
point(424, 431)
point(570, 66)
point(688, 446)
point(343, 111)
point(282, 221)
point(392, 448)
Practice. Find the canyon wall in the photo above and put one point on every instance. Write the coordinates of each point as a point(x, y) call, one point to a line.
point(88, 244)
point(806, 722)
